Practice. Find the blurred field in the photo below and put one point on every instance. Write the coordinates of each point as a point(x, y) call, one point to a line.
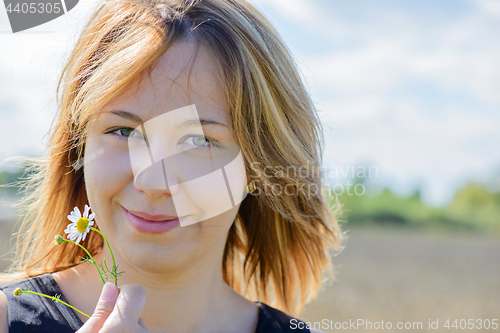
point(402, 275)
point(407, 262)
point(7, 224)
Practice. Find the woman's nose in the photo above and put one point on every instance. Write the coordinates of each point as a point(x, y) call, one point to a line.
point(155, 181)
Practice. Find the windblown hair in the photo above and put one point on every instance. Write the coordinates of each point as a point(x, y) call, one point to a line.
point(278, 250)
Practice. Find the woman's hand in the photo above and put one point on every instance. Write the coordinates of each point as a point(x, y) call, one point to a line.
point(118, 310)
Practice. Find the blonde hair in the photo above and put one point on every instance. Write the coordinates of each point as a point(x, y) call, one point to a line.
point(278, 248)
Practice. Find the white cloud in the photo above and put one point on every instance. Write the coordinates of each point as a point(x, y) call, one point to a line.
point(461, 55)
point(442, 141)
point(407, 146)
point(296, 10)
point(31, 63)
point(384, 64)
point(352, 113)
point(309, 15)
point(490, 7)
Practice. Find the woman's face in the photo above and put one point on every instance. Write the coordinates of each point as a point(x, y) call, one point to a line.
point(148, 159)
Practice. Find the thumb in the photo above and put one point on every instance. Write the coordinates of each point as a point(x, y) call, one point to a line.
point(103, 309)
point(129, 304)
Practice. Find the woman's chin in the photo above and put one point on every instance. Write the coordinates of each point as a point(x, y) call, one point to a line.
point(150, 260)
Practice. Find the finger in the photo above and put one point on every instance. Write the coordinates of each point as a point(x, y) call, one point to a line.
point(103, 309)
point(129, 304)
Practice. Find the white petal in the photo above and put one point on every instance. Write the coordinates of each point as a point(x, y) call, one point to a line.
point(73, 230)
point(84, 235)
point(77, 212)
point(91, 217)
point(79, 238)
point(86, 211)
point(72, 218)
point(91, 223)
point(68, 228)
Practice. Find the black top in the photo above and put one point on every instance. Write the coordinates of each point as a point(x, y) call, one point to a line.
point(40, 314)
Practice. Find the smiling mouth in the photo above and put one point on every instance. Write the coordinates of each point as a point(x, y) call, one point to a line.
point(152, 224)
point(151, 217)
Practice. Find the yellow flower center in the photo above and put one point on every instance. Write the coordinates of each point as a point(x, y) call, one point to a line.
point(82, 224)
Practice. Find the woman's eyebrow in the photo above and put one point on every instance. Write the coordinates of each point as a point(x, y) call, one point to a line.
point(127, 115)
point(135, 118)
point(192, 122)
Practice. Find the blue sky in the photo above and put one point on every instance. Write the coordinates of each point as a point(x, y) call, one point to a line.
point(410, 87)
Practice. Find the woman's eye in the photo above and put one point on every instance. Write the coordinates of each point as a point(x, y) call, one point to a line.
point(200, 141)
point(126, 132)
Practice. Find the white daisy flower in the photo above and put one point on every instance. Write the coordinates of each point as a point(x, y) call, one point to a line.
point(80, 225)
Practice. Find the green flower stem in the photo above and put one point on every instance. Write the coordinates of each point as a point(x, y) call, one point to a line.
point(54, 299)
point(90, 256)
point(112, 256)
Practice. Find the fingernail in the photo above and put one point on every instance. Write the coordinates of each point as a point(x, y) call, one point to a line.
point(108, 292)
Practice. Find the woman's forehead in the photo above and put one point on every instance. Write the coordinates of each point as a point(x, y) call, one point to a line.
point(184, 75)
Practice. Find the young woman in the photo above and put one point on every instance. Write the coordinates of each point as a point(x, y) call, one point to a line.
point(170, 193)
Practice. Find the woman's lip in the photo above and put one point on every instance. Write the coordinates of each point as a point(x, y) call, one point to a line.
point(150, 227)
point(152, 218)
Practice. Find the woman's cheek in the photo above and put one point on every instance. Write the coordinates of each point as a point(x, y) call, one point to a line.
point(106, 173)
